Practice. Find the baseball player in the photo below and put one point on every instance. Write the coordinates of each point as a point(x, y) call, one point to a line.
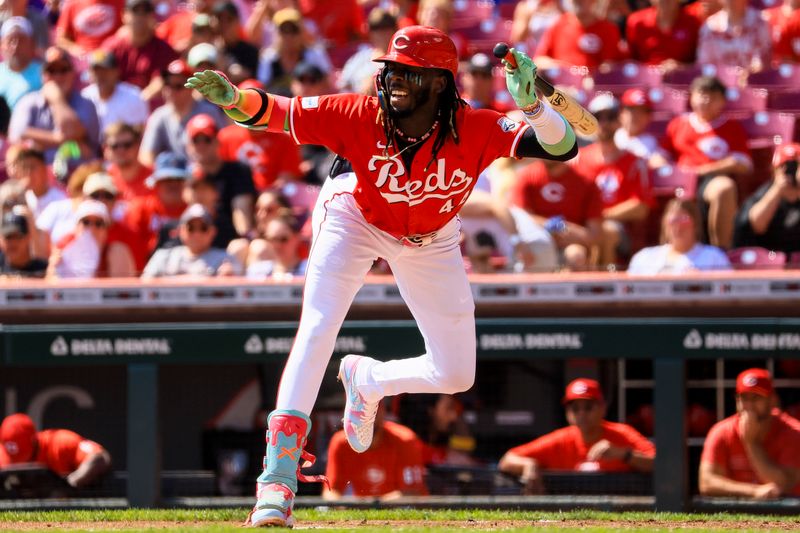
point(416, 150)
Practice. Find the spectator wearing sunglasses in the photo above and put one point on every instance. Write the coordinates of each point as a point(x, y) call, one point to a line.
point(88, 252)
point(16, 259)
point(478, 81)
point(114, 100)
point(120, 153)
point(770, 218)
point(282, 258)
point(196, 256)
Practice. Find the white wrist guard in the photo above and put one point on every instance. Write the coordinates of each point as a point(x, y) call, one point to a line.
point(547, 124)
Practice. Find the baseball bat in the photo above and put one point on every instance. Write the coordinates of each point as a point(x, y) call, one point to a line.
point(577, 115)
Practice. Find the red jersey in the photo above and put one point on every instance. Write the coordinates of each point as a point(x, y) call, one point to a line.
point(787, 48)
point(89, 22)
point(568, 195)
point(618, 180)
point(397, 200)
point(128, 190)
point(60, 450)
point(650, 44)
point(140, 65)
point(267, 154)
point(339, 22)
point(724, 448)
point(693, 142)
point(146, 216)
point(395, 464)
point(569, 41)
point(565, 449)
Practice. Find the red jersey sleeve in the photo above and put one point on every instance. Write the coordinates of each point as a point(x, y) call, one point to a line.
point(715, 450)
point(334, 121)
point(64, 23)
point(547, 449)
point(66, 450)
point(636, 440)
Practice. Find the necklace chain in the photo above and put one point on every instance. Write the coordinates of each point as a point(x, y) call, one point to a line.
point(425, 135)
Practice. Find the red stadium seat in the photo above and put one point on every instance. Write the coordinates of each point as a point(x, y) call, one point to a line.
point(785, 76)
point(484, 36)
point(566, 76)
point(767, 129)
point(667, 101)
point(470, 13)
point(616, 78)
point(756, 258)
point(744, 102)
point(673, 181)
point(784, 100)
point(682, 77)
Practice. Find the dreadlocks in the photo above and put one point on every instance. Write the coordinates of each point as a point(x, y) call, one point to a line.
point(449, 104)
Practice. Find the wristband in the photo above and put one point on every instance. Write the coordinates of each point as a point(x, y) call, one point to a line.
point(555, 224)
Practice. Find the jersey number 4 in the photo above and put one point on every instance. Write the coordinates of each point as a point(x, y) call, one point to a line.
point(447, 207)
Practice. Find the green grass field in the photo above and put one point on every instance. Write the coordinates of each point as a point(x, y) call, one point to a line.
point(406, 520)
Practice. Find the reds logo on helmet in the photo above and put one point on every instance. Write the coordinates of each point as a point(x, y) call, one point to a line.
point(421, 46)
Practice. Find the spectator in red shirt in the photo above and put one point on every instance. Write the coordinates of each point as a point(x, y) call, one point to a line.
point(272, 158)
point(78, 460)
point(777, 17)
point(120, 151)
point(588, 444)
point(622, 179)
point(141, 55)
point(147, 214)
point(177, 29)
point(754, 453)
point(580, 38)
point(715, 147)
point(566, 205)
point(390, 468)
point(83, 25)
point(788, 46)
point(478, 82)
point(339, 23)
point(664, 34)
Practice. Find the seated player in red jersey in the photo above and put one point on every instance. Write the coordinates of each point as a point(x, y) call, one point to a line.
point(663, 34)
point(588, 444)
point(753, 453)
point(78, 460)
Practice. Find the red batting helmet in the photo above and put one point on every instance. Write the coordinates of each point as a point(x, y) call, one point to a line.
point(421, 46)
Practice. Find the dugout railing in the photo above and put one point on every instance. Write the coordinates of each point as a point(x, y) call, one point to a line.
point(37, 334)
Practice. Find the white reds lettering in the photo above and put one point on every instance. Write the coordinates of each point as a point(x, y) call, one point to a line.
point(414, 192)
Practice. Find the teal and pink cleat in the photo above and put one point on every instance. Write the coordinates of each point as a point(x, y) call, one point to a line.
point(359, 415)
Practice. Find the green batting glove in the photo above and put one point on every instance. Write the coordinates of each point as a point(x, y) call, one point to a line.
point(215, 87)
point(520, 80)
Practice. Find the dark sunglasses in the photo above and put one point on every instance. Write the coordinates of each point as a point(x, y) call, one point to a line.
point(281, 239)
point(14, 236)
point(58, 71)
point(197, 228)
point(143, 9)
point(93, 223)
point(481, 74)
point(289, 29)
point(202, 139)
point(122, 145)
point(309, 79)
point(606, 116)
point(102, 195)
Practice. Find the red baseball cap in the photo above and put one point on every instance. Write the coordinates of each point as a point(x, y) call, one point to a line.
point(785, 152)
point(178, 67)
point(755, 380)
point(636, 98)
point(17, 434)
point(583, 389)
point(201, 124)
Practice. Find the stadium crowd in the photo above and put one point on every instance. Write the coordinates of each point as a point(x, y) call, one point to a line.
point(113, 168)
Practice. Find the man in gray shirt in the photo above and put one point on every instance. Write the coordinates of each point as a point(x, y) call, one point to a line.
point(195, 257)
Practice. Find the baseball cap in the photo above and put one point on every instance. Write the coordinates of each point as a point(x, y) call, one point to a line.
point(13, 224)
point(99, 181)
point(636, 98)
point(168, 165)
point(179, 68)
point(17, 434)
point(754, 380)
point(480, 62)
point(603, 102)
point(202, 53)
point(194, 212)
point(54, 55)
point(381, 19)
point(287, 14)
point(582, 389)
point(130, 4)
point(20, 24)
point(201, 124)
point(308, 70)
point(785, 152)
point(92, 208)
point(102, 58)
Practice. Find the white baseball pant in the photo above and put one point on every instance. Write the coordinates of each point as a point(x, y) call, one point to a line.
point(431, 280)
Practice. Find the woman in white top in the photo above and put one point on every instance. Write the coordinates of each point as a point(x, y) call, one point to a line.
point(681, 250)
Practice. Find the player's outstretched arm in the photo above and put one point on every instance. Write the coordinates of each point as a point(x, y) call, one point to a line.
point(250, 107)
point(554, 133)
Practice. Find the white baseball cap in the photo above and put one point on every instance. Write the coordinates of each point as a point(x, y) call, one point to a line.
point(603, 102)
point(202, 53)
point(20, 24)
point(99, 181)
point(92, 208)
